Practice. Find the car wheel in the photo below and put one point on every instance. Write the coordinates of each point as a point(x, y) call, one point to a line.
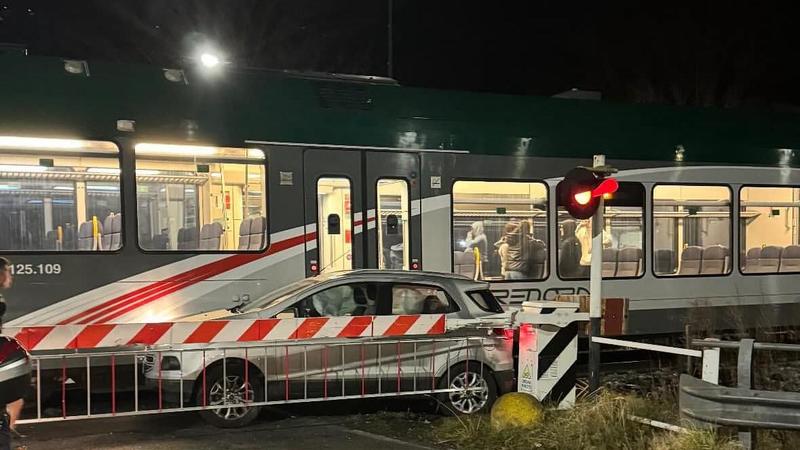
point(474, 389)
point(229, 388)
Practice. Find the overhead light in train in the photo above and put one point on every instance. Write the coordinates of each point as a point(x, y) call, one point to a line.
point(95, 187)
point(8, 187)
point(146, 172)
point(21, 168)
point(64, 188)
point(19, 142)
point(174, 149)
point(103, 170)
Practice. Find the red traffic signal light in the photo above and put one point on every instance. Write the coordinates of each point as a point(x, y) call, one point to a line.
point(581, 189)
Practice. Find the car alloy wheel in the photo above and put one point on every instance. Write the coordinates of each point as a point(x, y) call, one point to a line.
point(235, 392)
point(470, 392)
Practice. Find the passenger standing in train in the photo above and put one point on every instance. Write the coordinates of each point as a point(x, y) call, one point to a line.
point(502, 251)
point(12, 410)
point(476, 238)
point(516, 252)
point(569, 252)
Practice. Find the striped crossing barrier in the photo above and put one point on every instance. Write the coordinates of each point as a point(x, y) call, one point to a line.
point(548, 351)
point(74, 337)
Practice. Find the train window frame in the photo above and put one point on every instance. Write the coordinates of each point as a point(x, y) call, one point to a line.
point(377, 220)
point(739, 247)
point(549, 270)
point(644, 240)
point(262, 162)
point(734, 215)
point(119, 159)
point(352, 219)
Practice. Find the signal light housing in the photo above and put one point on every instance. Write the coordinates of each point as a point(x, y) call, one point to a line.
point(581, 190)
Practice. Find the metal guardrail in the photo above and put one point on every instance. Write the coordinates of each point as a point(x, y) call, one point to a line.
point(740, 406)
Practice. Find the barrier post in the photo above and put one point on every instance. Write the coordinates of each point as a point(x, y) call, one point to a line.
point(548, 350)
point(595, 286)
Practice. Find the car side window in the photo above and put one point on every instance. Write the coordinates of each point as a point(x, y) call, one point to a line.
point(357, 299)
point(420, 299)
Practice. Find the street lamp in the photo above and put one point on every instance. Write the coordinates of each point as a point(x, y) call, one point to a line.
point(209, 60)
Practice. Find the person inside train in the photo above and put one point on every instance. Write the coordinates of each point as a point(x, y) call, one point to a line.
point(502, 251)
point(583, 233)
point(516, 264)
point(570, 251)
point(476, 238)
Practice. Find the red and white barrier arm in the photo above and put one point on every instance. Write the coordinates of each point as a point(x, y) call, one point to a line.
point(73, 337)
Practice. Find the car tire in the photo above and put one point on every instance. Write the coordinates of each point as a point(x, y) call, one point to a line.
point(478, 390)
point(235, 391)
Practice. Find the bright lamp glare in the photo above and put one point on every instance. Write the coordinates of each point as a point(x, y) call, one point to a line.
point(583, 198)
point(209, 60)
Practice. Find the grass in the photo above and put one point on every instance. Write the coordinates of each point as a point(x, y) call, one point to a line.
point(601, 422)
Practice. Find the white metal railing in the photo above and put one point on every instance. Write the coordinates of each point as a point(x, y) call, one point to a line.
point(133, 382)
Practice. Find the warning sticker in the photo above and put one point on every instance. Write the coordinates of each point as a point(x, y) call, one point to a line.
point(526, 379)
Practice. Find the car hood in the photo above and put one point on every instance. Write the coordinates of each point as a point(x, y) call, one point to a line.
point(208, 315)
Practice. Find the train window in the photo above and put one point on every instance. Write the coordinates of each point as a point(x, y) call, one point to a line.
point(335, 246)
point(691, 230)
point(623, 237)
point(192, 198)
point(769, 221)
point(500, 230)
point(59, 195)
point(393, 224)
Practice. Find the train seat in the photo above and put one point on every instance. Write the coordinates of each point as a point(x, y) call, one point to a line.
point(629, 262)
point(691, 258)
point(211, 236)
point(538, 260)
point(790, 259)
point(257, 233)
point(464, 263)
point(50, 241)
point(86, 238)
point(752, 260)
point(610, 262)
point(108, 225)
point(112, 232)
point(187, 238)
point(715, 260)
point(244, 234)
point(664, 261)
point(770, 260)
point(69, 237)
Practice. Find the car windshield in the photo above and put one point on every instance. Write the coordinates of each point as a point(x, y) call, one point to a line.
point(277, 296)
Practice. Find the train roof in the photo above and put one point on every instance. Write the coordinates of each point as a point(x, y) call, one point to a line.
point(40, 97)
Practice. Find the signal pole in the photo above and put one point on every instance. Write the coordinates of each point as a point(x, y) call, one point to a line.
point(595, 286)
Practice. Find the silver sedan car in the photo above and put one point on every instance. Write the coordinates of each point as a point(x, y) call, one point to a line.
point(468, 366)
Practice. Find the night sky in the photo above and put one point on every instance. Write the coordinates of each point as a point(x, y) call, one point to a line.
point(706, 53)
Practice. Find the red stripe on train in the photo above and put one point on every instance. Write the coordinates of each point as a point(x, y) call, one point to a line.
point(126, 303)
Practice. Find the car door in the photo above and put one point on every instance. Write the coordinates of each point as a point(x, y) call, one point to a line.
point(411, 363)
point(328, 367)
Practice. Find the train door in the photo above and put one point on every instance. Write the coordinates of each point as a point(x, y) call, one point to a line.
point(333, 210)
point(392, 210)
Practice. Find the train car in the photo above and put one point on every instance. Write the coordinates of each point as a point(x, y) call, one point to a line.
point(132, 193)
